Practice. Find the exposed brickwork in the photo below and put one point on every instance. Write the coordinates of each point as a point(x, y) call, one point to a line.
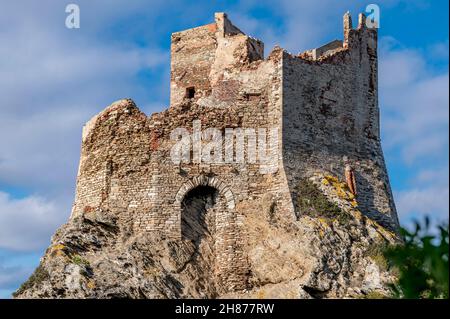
point(324, 103)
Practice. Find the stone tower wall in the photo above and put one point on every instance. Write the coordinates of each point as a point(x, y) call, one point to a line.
point(331, 117)
point(323, 104)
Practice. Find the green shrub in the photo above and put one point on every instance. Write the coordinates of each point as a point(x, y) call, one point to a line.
point(421, 263)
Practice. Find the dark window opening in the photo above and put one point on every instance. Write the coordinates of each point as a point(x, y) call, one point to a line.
point(190, 92)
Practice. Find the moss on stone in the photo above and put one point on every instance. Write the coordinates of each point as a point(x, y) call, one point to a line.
point(376, 253)
point(85, 268)
point(59, 250)
point(340, 188)
point(312, 202)
point(80, 261)
point(375, 295)
point(91, 284)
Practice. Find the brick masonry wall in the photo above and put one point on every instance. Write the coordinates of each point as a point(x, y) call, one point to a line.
point(324, 109)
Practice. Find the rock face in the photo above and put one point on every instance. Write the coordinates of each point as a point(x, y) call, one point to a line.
point(335, 254)
point(167, 207)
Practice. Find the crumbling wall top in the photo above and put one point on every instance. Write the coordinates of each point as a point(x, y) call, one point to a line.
point(224, 25)
point(200, 56)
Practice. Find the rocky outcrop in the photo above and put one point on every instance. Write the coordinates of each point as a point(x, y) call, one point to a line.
point(331, 251)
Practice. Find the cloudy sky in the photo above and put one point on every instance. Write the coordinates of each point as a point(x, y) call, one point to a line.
point(54, 79)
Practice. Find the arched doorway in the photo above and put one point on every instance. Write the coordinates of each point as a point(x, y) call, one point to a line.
point(199, 230)
point(198, 218)
point(209, 232)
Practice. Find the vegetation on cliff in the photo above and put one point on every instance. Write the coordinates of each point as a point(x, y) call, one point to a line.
point(421, 262)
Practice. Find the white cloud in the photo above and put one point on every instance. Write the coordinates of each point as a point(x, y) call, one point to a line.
point(426, 195)
point(436, 177)
point(26, 224)
point(425, 201)
point(414, 107)
point(414, 104)
point(400, 68)
point(305, 24)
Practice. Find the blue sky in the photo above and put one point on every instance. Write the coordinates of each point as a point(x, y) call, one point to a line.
point(55, 79)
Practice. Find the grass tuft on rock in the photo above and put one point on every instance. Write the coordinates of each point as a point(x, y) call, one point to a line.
point(39, 275)
point(312, 202)
point(376, 252)
point(80, 261)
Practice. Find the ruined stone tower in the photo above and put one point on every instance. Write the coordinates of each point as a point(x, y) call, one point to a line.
point(323, 104)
